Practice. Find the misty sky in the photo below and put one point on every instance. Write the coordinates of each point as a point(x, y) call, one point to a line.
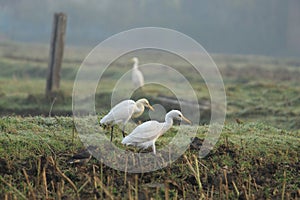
point(267, 27)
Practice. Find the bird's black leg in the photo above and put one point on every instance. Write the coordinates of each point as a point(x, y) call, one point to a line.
point(111, 132)
point(123, 131)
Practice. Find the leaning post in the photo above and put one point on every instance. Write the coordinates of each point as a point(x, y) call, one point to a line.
point(57, 44)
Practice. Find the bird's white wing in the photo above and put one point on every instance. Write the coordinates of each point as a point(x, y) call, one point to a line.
point(145, 132)
point(137, 78)
point(119, 113)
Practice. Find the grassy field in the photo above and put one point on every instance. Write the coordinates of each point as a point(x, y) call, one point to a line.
point(250, 161)
point(256, 87)
point(257, 156)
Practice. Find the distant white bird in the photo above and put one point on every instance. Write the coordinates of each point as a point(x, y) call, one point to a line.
point(137, 76)
point(123, 111)
point(145, 135)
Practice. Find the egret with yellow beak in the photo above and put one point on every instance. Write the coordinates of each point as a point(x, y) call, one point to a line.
point(123, 111)
point(146, 134)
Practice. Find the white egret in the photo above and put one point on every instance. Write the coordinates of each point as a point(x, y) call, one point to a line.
point(137, 76)
point(145, 135)
point(123, 111)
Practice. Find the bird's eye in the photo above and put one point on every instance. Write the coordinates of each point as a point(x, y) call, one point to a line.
point(179, 115)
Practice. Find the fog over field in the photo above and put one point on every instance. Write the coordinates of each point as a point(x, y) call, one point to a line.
point(268, 27)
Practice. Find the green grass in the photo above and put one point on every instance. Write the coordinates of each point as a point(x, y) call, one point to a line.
point(258, 88)
point(250, 160)
point(256, 158)
point(251, 99)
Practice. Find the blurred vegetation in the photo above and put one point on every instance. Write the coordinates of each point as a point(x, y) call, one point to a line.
point(250, 161)
point(258, 88)
point(249, 27)
point(256, 157)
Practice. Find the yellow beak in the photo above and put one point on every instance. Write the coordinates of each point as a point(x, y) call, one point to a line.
point(150, 107)
point(186, 119)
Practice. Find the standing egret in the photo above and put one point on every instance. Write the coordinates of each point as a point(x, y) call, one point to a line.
point(123, 111)
point(137, 76)
point(145, 135)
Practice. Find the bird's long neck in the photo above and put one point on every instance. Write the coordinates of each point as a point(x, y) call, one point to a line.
point(168, 122)
point(139, 110)
point(140, 107)
point(136, 64)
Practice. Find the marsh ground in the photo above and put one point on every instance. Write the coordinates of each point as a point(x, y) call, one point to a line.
point(257, 156)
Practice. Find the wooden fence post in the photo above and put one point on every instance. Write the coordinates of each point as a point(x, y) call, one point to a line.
point(56, 52)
